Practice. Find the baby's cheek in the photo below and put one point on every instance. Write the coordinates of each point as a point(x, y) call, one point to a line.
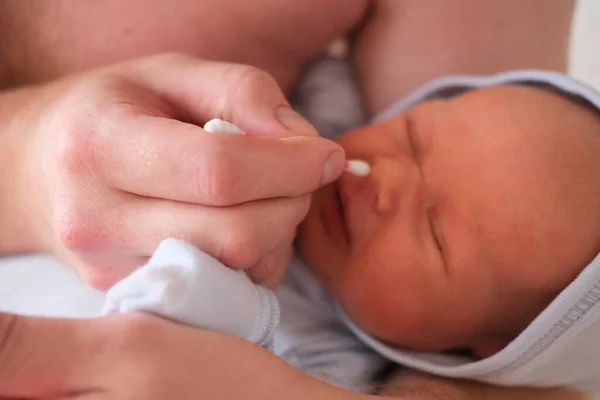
point(369, 296)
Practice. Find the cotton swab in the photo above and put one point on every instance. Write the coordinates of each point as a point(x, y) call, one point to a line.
point(355, 167)
point(217, 125)
point(358, 167)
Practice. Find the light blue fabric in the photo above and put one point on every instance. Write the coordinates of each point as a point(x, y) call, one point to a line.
point(312, 336)
point(186, 285)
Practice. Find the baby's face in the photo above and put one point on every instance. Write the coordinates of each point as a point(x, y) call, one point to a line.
point(477, 212)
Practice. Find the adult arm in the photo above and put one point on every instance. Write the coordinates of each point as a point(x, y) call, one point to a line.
point(99, 168)
point(143, 357)
point(16, 217)
point(404, 44)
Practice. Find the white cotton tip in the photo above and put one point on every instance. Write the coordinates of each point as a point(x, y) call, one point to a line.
point(219, 126)
point(358, 167)
point(339, 48)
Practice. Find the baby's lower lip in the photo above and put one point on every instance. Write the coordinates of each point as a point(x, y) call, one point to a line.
point(334, 219)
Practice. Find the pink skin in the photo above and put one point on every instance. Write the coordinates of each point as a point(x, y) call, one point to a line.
point(477, 212)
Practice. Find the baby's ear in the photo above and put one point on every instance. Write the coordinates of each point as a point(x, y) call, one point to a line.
point(488, 348)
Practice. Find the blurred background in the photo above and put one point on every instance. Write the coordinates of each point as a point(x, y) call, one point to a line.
point(585, 47)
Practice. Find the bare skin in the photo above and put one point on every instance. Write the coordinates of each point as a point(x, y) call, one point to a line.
point(398, 44)
point(46, 42)
point(38, 38)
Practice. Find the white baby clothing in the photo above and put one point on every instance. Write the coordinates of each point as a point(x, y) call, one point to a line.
point(187, 285)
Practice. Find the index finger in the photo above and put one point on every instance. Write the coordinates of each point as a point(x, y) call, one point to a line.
point(241, 94)
point(182, 162)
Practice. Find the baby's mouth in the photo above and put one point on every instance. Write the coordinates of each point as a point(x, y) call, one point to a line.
point(342, 212)
point(333, 216)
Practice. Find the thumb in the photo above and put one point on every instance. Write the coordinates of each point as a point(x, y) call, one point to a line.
point(42, 357)
point(243, 95)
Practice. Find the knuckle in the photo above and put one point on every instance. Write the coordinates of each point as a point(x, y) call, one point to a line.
point(77, 230)
point(250, 79)
point(216, 182)
point(73, 125)
point(245, 81)
point(241, 248)
point(302, 208)
point(72, 148)
point(293, 212)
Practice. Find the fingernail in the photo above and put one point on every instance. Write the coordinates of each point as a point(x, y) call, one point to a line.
point(333, 167)
point(294, 121)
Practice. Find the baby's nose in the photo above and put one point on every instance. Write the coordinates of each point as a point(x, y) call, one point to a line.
point(391, 181)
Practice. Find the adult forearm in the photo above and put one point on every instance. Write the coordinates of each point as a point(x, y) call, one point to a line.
point(17, 216)
point(172, 360)
point(406, 43)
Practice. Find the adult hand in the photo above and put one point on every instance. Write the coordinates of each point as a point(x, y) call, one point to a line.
point(136, 356)
point(140, 357)
point(117, 162)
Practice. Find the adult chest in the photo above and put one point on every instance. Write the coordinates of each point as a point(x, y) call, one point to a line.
point(42, 40)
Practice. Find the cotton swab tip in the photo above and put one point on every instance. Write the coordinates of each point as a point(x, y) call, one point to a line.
point(217, 125)
point(358, 167)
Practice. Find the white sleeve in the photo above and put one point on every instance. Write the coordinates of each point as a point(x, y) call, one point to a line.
point(187, 285)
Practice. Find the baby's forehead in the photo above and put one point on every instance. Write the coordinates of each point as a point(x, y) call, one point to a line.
point(517, 92)
point(451, 86)
point(543, 117)
point(505, 96)
point(455, 91)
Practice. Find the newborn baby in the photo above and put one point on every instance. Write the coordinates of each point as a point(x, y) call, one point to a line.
point(473, 231)
point(479, 210)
